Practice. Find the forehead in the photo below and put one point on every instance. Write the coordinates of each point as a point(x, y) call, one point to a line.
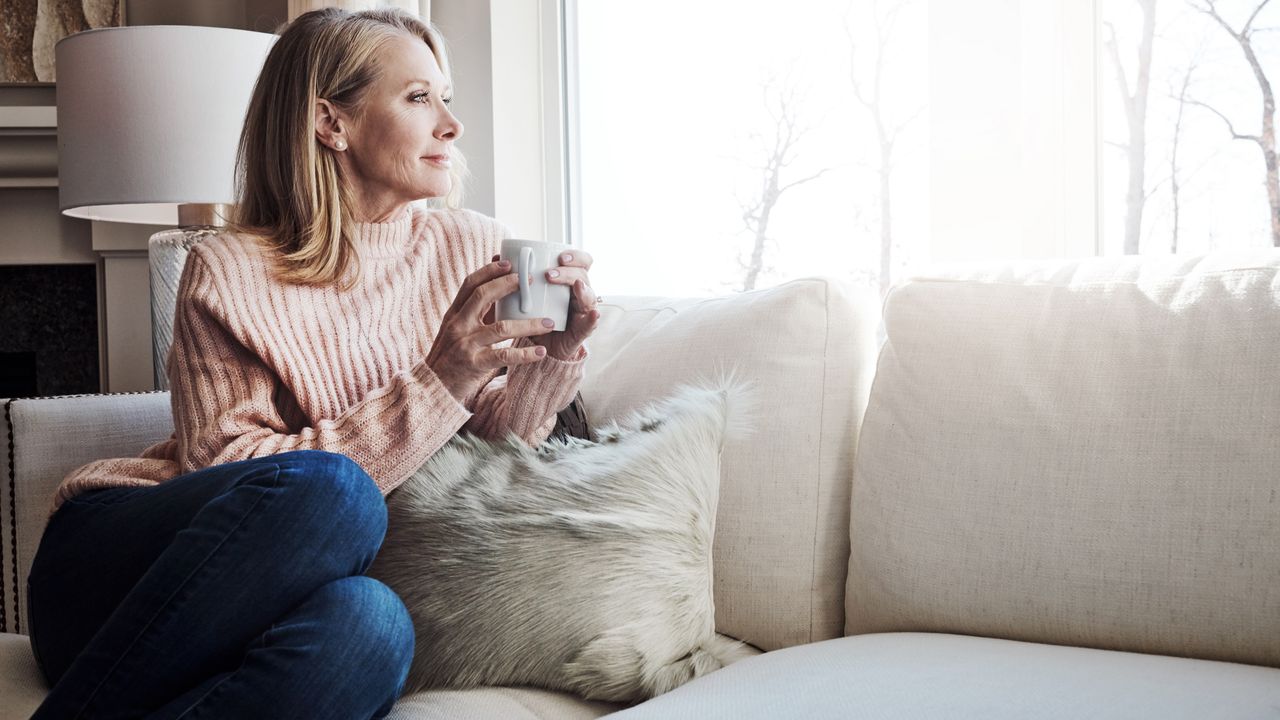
point(408, 59)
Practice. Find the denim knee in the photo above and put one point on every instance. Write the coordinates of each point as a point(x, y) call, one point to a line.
point(378, 632)
point(338, 490)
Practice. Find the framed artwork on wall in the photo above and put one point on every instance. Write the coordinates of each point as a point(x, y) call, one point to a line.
point(30, 28)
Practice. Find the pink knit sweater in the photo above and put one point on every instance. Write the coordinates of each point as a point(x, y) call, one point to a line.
point(260, 367)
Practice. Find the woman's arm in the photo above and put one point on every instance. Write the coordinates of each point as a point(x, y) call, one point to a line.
point(224, 408)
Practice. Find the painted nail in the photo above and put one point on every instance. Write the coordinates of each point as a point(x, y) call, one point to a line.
point(548, 322)
point(553, 273)
point(567, 257)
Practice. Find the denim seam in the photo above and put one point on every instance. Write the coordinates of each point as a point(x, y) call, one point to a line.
point(168, 601)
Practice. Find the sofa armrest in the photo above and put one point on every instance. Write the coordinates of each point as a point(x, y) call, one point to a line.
point(46, 438)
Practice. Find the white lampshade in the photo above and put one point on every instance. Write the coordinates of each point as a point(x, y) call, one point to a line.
point(149, 117)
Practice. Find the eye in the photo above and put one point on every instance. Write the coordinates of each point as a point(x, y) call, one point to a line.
point(415, 97)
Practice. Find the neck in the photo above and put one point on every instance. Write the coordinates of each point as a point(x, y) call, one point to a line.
point(381, 214)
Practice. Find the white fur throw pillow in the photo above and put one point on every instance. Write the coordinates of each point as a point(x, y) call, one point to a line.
point(579, 566)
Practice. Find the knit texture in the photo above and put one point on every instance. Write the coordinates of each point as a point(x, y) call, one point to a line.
point(260, 367)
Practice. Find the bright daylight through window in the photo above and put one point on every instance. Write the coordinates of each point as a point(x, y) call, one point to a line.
point(730, 145)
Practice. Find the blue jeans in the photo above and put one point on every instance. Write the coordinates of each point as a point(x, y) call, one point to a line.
point(236, 591)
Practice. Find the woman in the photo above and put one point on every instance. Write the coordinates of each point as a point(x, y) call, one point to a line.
point(317, 362)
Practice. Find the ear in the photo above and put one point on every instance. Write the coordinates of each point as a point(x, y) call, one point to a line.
point(329, 125)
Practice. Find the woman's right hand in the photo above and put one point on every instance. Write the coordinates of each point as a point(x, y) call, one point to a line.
point(462, 355)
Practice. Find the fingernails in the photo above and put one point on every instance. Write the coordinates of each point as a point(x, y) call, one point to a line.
point(504, 264)
point(567, 257)
point(540, 352)
point(553, 273)
point(548, 322)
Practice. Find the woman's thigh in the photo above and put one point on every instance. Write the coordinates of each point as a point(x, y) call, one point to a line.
point(99, 545)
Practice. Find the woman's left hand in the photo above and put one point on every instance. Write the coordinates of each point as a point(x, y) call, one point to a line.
point(583, 315)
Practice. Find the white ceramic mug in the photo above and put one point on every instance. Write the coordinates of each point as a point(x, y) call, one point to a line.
point(535, 297)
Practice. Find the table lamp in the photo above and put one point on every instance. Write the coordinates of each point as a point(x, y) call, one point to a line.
point(149, 120)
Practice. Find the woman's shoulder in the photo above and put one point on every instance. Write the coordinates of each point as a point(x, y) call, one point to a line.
point(225, 247)
point(229, 261)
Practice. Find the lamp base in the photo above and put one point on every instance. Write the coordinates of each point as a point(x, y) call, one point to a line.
point(167, 254)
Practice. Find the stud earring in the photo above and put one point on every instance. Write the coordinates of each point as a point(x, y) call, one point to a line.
point(340, 144)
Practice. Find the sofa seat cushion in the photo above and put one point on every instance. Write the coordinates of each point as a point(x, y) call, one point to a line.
point(933, 675)
point(22, 687)
point(509, 703)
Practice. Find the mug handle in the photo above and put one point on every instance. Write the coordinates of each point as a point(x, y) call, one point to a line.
point(526, 261)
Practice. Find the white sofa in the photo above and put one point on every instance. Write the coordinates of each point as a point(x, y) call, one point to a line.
point(1064, 501)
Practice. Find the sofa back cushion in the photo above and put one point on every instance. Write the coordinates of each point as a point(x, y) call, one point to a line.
point(1082, 453)
point(46, 438)
point(781, 537)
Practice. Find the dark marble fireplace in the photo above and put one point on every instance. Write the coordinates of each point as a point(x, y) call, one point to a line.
point(48, 330)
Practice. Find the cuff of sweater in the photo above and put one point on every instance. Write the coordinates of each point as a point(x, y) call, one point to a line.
point(547, 386)
point(430, 431)
point(440, 395)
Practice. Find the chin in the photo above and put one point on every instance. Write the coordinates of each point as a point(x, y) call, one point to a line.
point(435, 189)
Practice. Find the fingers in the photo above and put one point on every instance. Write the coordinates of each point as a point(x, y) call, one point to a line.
point(512, 356)
point(476, 279)
point(494, 283)
point(576, 278)
point(511, 329)
point(576, 258)
point(583, 322)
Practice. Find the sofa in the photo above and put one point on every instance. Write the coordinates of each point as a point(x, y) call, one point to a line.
point(1044, 489)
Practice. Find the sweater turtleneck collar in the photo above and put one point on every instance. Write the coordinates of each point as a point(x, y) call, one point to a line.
point(383, 239)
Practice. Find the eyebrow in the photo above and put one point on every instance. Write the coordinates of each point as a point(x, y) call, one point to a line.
point(427, 83)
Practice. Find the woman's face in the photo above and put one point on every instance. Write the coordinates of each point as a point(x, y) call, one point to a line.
point(398, 150)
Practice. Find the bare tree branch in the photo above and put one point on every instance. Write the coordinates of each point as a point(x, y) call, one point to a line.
point(781, 103)
point(1249, 23)
point(1113, 50)
point(1266, 141)
point(887, 131)
point(1230, 128)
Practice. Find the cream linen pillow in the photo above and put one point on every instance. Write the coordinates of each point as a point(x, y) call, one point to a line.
point(782, 536)
point(579, 566)
point(1081, 453)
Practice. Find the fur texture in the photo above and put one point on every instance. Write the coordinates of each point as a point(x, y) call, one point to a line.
point(580, 566)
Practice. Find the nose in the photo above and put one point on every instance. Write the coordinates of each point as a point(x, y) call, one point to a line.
point(449, 127)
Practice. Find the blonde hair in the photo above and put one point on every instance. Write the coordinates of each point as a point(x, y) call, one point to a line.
point(290, 191)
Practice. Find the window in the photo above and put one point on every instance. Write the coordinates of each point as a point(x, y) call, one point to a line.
point(729, 145)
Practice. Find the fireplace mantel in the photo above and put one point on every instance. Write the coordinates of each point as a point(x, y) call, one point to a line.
point(28, 146)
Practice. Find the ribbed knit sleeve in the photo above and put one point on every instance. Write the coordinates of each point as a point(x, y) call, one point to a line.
point(224, 406)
